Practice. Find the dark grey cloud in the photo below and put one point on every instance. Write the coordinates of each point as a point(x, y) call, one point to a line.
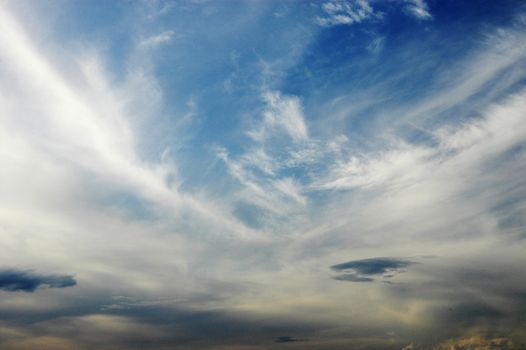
point(175, 328)
point(482, 295)
point(285, 339)
point(373, 266)
point(178, 328)
point(26, 281)
point(361, 270)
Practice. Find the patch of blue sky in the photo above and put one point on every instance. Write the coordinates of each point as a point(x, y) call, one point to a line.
point(219, 58)
point(252, 215)
point(222, 68)
point(414, 58)
point(103, 24)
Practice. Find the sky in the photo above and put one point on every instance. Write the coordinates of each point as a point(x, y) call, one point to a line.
point(262, 174)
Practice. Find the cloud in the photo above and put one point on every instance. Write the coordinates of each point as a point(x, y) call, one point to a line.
point(168, 326)
point(331, 196)
point(275, 143)
point(157, 40)
point(81, 113)
point(282, 113)
point(406, 164)
point(359, 270)
point(26, 281)
point(348, 12)
point(376, 45)
point(373, 266)
point(285, 339)
point(341, 12)
point(477, 342)
point(152, 10)
point(418, 9)
point(351, 277)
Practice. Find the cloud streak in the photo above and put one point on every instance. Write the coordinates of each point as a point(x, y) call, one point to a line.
point(419, 9)
point(361, 270)
point(156, 40)
point(345, 12)
point(26, 281)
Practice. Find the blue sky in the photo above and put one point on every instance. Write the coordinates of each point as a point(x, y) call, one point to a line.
point(337, 174)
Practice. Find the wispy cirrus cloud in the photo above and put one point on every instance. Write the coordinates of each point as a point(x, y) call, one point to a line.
point(419, 9)
point(156, 40)
point(281, 114)
point(349, 12)
point(282, 125)
point(344, 12)
point(329, 141)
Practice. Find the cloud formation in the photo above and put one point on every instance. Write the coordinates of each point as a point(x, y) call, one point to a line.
point(360, 270)
point(156, 40)
point(201, 216)
point(477, 342)
point(12, 280)
point(349, 12)
point(285, 339)
point(419, 9)
point(343, 12)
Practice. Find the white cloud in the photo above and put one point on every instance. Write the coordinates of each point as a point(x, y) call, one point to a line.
point(342, 12)
point(348, 12)
point(156, 40)
point(277, 143)
point(389, 168)
point(418, 9)
point(406, 164)
point(281, 114)
point(429, 194)
point(69, 149)
point(267, 191)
